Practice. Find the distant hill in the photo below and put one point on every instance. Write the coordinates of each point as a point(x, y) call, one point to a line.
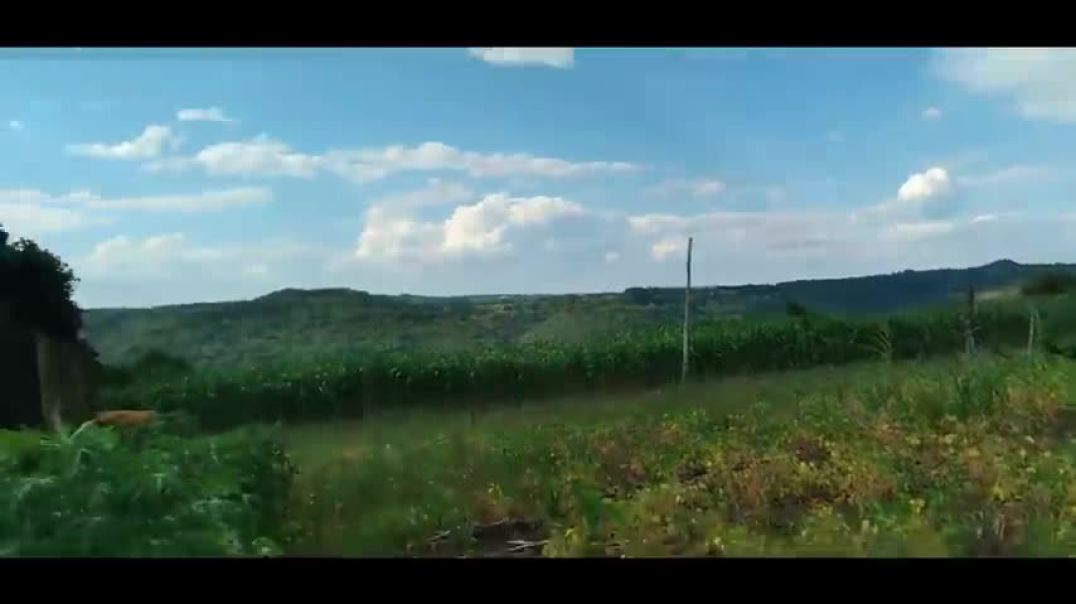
point(294, 323)
point(859, 295)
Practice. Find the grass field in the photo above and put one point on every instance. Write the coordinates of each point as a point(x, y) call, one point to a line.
point(940, 458)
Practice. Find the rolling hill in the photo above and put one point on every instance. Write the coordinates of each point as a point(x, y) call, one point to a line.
point(293, 323)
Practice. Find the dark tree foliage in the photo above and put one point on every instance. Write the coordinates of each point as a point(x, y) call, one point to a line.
point(795, 309)
point(37, 287)
point(1049, 284)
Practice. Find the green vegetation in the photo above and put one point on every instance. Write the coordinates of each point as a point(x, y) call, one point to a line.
point(96, 492)
point(1049, 284)
point(886, 460)
point(290, 326)
point(351, 387)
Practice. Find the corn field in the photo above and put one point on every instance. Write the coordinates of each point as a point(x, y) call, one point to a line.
point(350, 387)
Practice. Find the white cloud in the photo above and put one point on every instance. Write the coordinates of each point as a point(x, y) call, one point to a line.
point(267, 157)
point(373, 164)
point(935, 193)
point(1040, 82)
point(435, 193)
point(205, 201)
point(30, 213)
point(934, 182)
point(194, 202)
point(611, 257)
point(932, 113)
point(1007, 175)
point(29, 220)
point(743, 233)
point(144, 146)
point(211, 114)
point(476, 229)
point(914, 231)
point(668, 248)
point(931, 191)
point(15, 125)
point(698, 188)
point(261, 155)
point(549, 57)
point(122, 257)
point(121, 251)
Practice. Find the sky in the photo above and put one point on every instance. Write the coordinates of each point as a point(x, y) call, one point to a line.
point(169, 176)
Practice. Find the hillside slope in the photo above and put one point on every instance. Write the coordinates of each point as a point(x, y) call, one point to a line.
point(291, 322)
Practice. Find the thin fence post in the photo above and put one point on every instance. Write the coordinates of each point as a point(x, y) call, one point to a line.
point(1032, 327)
point(687, 313)
point(969, 326)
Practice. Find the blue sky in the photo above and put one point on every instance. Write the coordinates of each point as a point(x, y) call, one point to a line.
point(167, 176)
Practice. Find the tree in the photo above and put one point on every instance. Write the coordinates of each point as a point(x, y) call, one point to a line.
point(37, 288)
point(1049, 284)
point(795, 309)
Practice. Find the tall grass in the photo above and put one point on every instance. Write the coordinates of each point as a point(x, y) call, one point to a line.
point(351, 387)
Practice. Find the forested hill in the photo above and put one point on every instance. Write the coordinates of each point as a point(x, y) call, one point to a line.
point(858, 295)
point(293, 322)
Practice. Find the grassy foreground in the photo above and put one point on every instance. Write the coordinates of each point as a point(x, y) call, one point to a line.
point(873, 460)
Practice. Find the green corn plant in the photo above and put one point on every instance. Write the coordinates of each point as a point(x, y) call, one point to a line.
point(882, 343)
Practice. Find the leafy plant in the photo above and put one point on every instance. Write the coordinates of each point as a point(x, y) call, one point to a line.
point(94, 492)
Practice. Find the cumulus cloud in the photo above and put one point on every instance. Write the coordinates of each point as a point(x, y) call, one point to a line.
point(267, 157)
point(210, 114)
point(931, 193)
point(517, 57)
point(481, 228)
point(259, 156)
point(1039, 82)
point(932, 183)
point(932, 113)
point(147, 145)
point(15, 125)
point(123, 257)
point(31, 213)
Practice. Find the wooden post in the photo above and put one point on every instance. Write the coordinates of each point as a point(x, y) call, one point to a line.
point(687, 313)
point(1032, 325)
point(969, 326)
